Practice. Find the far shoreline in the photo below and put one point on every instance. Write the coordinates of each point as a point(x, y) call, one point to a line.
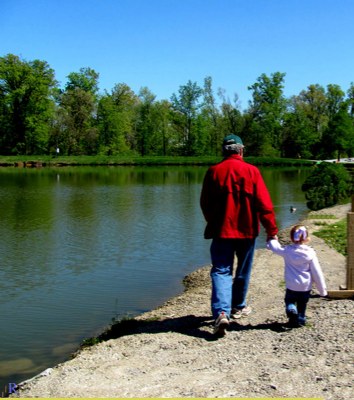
point(133, 160)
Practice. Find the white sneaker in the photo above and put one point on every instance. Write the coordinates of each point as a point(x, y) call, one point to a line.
point(221, 324)
point(243, 312)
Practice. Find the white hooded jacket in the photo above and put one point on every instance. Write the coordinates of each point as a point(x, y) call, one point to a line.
point(302, 267)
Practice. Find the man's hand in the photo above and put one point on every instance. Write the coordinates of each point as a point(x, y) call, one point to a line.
point(275, 237)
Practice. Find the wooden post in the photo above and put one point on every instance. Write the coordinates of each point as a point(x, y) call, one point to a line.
point(348, 290)
point(350, 249)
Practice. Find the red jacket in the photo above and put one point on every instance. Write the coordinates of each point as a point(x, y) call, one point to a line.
point(235, 199)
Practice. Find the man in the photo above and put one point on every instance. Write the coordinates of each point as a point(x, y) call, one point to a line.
point(234, 201)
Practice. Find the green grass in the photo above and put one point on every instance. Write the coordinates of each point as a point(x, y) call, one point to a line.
point(48, 160)
point(335, 235)
point(118, 328)
point(282, 284)
point(322, 216)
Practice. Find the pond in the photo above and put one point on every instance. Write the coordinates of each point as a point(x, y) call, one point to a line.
point(83, 246)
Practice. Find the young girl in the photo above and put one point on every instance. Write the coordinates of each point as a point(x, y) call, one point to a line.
point(302, 269)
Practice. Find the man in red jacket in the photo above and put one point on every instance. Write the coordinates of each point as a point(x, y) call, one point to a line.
point(234, 201)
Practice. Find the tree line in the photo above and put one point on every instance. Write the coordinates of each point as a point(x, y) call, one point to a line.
point(38, 117)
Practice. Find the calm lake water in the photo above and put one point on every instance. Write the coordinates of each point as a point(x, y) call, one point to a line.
point(81, 246)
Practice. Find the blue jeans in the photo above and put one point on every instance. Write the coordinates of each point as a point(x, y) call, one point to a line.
point(227, 292)
point(296, 303)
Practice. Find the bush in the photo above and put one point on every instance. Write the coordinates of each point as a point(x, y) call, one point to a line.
point(328, 185)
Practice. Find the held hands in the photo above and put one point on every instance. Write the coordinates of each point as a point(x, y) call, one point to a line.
point(269, 238)
point(275, 237)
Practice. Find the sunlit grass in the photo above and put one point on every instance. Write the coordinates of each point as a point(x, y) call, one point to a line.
point(322, 216)
point(131, 159)
point(335, 236)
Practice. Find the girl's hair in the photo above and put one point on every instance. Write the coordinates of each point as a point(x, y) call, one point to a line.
point(299, 234)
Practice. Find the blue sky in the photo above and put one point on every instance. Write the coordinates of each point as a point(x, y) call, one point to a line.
point(161, 44)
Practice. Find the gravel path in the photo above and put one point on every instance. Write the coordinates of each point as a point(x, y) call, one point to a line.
point(171, 352)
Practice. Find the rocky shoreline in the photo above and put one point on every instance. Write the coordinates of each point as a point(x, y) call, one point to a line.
point(171, 351)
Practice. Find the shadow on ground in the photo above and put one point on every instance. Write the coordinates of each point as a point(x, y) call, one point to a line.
point(191, 325)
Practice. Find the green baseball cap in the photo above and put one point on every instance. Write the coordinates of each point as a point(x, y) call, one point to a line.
point(232, 139)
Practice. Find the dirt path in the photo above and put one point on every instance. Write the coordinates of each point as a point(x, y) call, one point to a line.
point(171, 352)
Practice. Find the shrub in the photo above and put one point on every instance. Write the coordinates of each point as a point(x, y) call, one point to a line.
point(328, 185)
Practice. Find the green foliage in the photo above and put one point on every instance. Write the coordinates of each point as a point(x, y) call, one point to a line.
point(89, 342)
point(267, 111)
point(37, 117)
point(339, 134)
point(116, 117)
point(335, 99)
point(298, 137)
point(187, 105)
point(328, 184)
point(86, 80)
point(49, 160)
point(313, 103)
point(77, 133)
point(26, 106)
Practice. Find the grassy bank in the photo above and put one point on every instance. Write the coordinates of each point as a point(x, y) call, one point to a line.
point(138, 160)
point(335, 235)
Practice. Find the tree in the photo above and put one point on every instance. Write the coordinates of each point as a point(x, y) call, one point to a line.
point(144, 126)
point(335, 98)
point(339, 136)
point(116, 117)
point(350, 94)
point(163, 134)
point(267, 111)
point(297, 135)
point(209, 120)
point(350, 101)
point(314, 103)
point(78, 104)
point(86, 79)
point(186, 106)
point(26, 105)
point(231, 119)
